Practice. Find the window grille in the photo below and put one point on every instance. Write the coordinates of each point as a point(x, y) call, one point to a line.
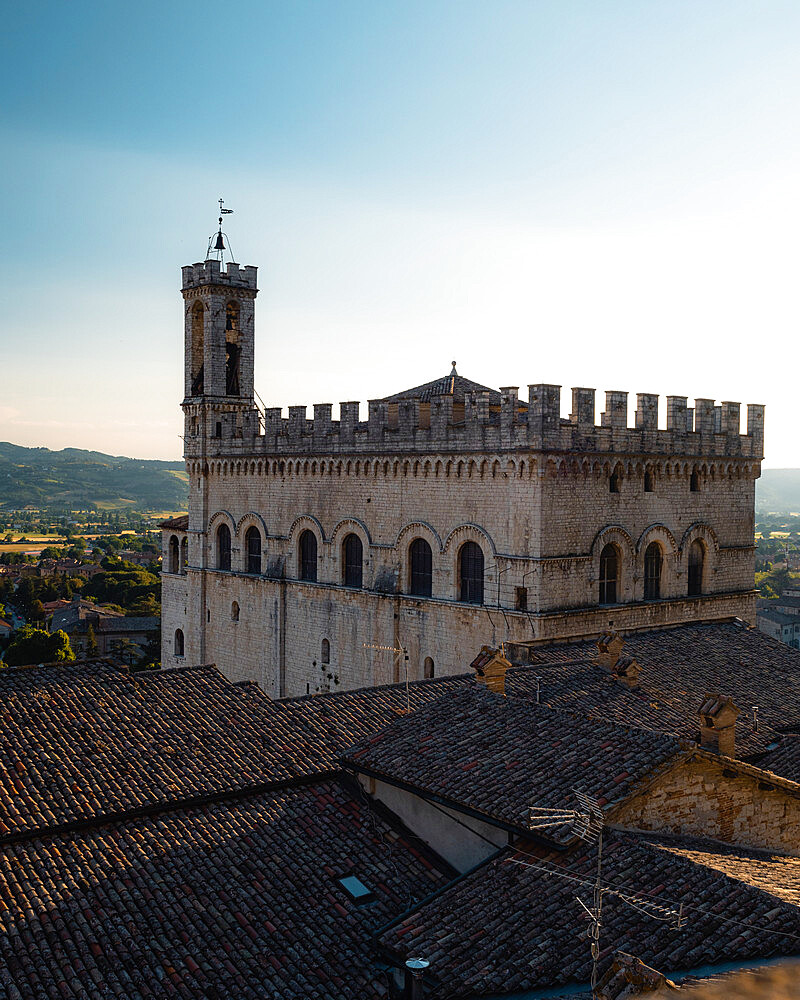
point(471, 573)
point(696, 560)
point(353, 552)
point(308, 556)
point(223, 547)
point(421, 568)
point(609, 574)
point(253, 543)
point(653, 563)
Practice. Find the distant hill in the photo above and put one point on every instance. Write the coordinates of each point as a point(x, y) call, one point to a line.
point(77, 479)
point(778, 490)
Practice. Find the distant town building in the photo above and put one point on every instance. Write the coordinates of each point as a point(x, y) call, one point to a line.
point(115, 634)
point(780, 617)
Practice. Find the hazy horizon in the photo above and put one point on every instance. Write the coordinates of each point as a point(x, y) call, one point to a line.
point(555, 192)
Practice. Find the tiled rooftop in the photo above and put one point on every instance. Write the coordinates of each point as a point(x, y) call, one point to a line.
point(179, 523)
point(454, 385)
point(329, 725)
point(507, 927)
point(678, 667)
point(498, 756)
point(784, 759)
point(230, 900)
point(77, 746)
point(80, 743)
point(778, 617)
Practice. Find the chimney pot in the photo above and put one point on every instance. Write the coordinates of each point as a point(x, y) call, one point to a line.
point(627, 670)
point(490, 666)
point(718, 716)
point(609, 647)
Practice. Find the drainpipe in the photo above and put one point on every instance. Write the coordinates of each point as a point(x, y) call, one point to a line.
point(282, 640)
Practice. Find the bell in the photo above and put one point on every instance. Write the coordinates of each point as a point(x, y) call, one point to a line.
point(229, 323)
point(220, 244)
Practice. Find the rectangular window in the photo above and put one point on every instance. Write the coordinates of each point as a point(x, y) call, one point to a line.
point(521, 602)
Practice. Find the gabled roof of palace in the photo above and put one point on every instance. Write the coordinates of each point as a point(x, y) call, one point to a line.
point(454, 385)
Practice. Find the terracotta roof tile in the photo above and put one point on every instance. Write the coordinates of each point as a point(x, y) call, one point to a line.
point(533, 932)
point(454, 385)
point(499, 756)
point(80, 743)
point(679, 666)
point(231, 900)
point(179, 523)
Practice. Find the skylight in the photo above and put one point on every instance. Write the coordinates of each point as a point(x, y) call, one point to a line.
point(356, 889)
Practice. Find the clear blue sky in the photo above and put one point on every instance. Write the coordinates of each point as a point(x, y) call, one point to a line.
point(586, 193)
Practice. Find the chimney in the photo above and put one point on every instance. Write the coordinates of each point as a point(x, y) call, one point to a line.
point(628, 976)
point(609, 647)
point(415, 975)
point(490, 667)
point(718, 716)
point(626, 670)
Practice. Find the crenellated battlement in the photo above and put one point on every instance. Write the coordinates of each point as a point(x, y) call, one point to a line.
point(437, 425)
point(209, 272)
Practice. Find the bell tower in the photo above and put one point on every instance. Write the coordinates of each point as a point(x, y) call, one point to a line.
point(219, 340)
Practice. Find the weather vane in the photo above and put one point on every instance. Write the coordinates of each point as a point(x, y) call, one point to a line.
point(216, 241)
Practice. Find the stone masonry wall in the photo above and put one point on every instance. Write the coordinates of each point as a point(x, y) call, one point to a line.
point(706, 798)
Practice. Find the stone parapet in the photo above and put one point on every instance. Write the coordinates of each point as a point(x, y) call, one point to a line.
point(705, 430)
point(209, 272)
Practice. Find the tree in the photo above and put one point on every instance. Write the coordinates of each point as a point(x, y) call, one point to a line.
point(92, 648)
point(34, 645)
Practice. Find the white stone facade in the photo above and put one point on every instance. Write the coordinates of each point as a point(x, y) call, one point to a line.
point(540, 496)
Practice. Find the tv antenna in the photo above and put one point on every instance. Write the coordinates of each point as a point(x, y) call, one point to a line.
point(216, 241)
point(586, 822)
point(398, 651)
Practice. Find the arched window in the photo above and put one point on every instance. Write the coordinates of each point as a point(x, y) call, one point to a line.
point(233, 349)
point(353, 553)
point(174, 555)
point(653, 562)
point(697, 555)
point(694, 481)
point(184, 554)
point(649, 481)
point(615, 481)
point(198, 326)
point(427, 668)
point(178, 642)
point(235, 611)
point(308, 556)
point(326, 651)
point(609, 574)
point(470, 573)
point(223, 547)
point(253, 543)
point(420, 560)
